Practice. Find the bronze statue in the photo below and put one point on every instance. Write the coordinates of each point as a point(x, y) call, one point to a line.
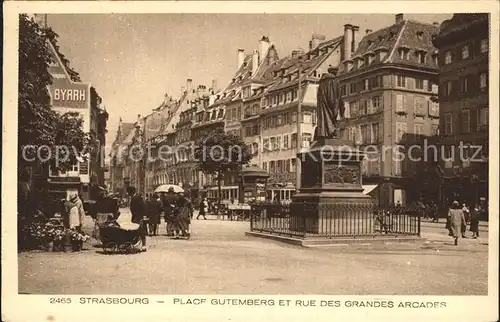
point(329, 105)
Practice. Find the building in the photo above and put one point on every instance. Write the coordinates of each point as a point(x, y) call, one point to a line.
point(117, 162)
point(68, 95)
point(157, 129)
point(389, 79)
point(270, 111)
point(463, 43)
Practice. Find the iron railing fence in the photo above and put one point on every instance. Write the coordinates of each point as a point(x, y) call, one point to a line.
point(331, 220)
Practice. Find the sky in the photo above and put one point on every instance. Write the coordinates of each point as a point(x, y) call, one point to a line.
point(133, 60)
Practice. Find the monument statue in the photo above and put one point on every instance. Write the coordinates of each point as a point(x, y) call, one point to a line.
point(329, 105)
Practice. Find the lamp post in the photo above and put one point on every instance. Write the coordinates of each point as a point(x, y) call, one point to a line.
point(298, 168)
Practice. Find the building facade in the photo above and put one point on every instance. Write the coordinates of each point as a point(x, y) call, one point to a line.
point(388, 85)
point(463, 43)
point(71, 96)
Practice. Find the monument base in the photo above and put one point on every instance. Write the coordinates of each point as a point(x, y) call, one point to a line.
point(330, 201)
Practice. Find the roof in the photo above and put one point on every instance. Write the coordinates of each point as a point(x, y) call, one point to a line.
point(311, 60)
point(253, 171)
point(123, 132)
point(408, 34)
point(461, 20)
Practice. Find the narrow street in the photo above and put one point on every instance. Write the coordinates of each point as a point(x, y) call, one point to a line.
point(220, 259)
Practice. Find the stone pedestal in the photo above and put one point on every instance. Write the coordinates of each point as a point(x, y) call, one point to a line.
point(331, 193)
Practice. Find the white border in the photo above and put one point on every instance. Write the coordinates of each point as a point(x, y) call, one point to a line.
point(36, 308)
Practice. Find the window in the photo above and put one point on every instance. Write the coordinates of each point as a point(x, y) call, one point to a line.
point(307, 117)
point(465, 52)
point(366, 133)
point(264, 166)
point(401, 103)
point(400, 81)
point(448, 124)
point(286, 143)
point(483, 115)
point(421, 57)
point(419, 107)
point(404, 53)
point(398, 163)
point(306, 139)
point(352, 88)
point(278, 145)
point(483, 81)
point(343, 90)
point(449, 88)
point(418, 129)
point(376, 103)
point(447, 57)
point(375, 132)
point(463, 84)
point(429, 85)
point(294, 140)
point(401, 129)
point(272, 166)
point(272, 143)
point(419, 83)
point(433, 109)
point(265, 143)
point(465, 121)
point(294, 117)
point(362, 108)
point(484, 46)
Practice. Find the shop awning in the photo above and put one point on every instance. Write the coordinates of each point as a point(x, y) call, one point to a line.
point(369, 188)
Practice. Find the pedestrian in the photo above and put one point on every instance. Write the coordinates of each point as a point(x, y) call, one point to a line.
point(139, 214)
point(203, 209)
point(466, 212)
point(183, 214)
point(474, 221)
point(456, 221)
point(75, 212)
point(154, 213)
point(169, 203)
point(435, 212)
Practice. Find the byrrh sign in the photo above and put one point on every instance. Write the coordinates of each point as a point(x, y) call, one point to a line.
point(70, 95)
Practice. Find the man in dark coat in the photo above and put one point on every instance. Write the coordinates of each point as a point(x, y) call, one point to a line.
point(154, 210)
point(138, 210)
point(169, 204)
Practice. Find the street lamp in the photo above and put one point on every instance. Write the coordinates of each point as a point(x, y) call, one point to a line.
point(298, 167)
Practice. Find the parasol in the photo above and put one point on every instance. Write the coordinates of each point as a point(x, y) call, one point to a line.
point(166, 187)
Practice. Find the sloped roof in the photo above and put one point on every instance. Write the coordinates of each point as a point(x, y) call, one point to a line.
point(124, 131)
point(461, 20)
point(311, 60)
point(409, 34)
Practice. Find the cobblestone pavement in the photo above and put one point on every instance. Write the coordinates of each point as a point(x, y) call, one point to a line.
point(220, 259)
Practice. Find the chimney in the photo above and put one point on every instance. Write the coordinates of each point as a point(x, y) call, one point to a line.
point(263, 47)
point(347, 41)
point(368, 31)
point(316, 39)
point(356, 38)
point(214, 85)
point(241, 57)
point(399, 18)
point(189, 85)
point(255, 61)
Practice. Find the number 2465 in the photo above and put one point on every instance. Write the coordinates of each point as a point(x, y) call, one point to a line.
point(59, 300)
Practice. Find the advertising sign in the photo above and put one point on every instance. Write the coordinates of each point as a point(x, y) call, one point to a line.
point(70, 95)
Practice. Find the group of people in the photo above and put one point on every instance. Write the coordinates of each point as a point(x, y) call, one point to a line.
point(176, 209)
point(459, 217)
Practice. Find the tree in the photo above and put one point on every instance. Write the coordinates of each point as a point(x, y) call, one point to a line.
point(219, 153)
point(39, 125)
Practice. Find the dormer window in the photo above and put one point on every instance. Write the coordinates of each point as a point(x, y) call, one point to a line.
point(348, 64)
point(361, 62)
point(465, 52)
point(435, 59)
point(421, 54)
point(404, 53)
point(382, 52)
point(420, 35)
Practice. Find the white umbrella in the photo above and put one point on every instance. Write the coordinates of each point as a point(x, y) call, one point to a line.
point(166, 187)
